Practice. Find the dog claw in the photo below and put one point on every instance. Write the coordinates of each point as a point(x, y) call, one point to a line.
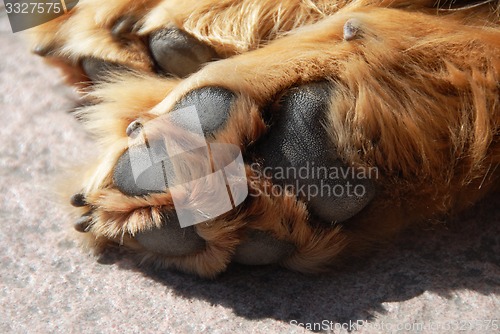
point(78, 200)
point(43, 50)
point(83, 223)
point(123, 26)
point(133, 129)
point(352, 29)
point(97, 69)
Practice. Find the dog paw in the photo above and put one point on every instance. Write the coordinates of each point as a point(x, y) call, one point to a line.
point(94, 40)
point(237, 163)
point(276, 156)
point(176, 193)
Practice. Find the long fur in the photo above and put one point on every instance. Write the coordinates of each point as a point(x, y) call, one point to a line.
point(416, 96)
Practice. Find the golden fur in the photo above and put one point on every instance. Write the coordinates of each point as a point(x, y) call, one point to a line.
point(417, 97)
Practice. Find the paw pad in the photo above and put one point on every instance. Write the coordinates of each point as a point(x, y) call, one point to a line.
point(212, 104)
point(171, 239)
point(212, 108)
point(260, 248)
point(178, 53)
point(298, 152)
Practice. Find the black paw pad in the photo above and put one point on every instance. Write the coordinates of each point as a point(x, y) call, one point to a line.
point(127, 183)
point(298, 153)
point(178, 53)
point(171, 239)
point(260, 248)
point(212, 105)
point(97, 69)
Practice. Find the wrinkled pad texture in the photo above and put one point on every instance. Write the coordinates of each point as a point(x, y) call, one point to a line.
point(212, 106)
point(299, 140)
point(49, 285)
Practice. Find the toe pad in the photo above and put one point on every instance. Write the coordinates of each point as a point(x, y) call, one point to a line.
point(178, 53)
point(171, 239)
point(260, 248)
point(299, 153)
point(212, 105)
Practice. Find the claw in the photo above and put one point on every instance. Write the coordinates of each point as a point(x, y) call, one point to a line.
point(96, 69)
point(78, 200)
point(352, 29)
point(123, 26)
point(134, 128)
point(83, 223)
point(43, 50)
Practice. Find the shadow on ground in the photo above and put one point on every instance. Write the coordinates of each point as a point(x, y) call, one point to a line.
point(464, 254)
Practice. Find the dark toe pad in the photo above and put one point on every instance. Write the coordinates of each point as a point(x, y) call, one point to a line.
point(298, 153)
point(171, 239)
point(260, 248)
point(212, 105)
point(178, 53)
